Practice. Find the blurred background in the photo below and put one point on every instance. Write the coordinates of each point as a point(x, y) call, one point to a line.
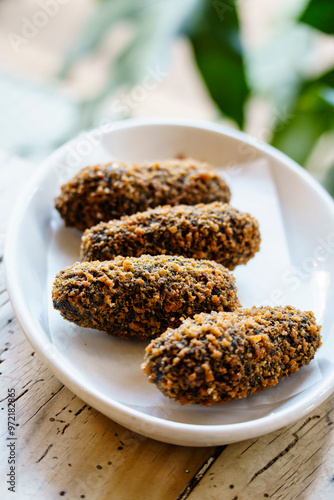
point(264, 66)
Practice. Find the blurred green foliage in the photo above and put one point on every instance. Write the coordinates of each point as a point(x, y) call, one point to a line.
point(320, 15)
point(214, 35)
point(212, 27)
point(312, 112)
point(311, 115)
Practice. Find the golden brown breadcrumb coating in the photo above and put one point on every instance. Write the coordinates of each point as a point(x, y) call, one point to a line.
point(142, 296)
point(222, 356)
point(214, 231)
point(105, 192)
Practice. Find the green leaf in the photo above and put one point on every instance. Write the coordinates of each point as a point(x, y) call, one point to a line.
point(320, 15)
point(327, 78)
point(328, 181)
point(311, 117)
point(214, 35)
point(298, 138)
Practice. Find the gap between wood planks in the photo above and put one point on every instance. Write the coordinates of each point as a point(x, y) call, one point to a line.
point(201, 472)
point(195, 480)
point(285, 451)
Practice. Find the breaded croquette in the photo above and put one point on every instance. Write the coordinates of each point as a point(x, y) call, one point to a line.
point(141, 297)
point(104, 192)
point(222, 356)
point(214, 231)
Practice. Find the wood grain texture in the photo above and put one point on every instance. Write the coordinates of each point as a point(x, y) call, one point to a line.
point(69, 447)
point(66, 446)
point(296, 462)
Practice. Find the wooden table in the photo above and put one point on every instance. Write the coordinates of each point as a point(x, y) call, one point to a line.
point(65, 448)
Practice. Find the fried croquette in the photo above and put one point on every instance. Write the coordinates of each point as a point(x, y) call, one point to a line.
point(141, 297)
point(104, 192)
point(223, 356)
point(214, 231)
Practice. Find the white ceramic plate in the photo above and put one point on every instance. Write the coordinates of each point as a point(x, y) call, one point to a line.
point(297, 221)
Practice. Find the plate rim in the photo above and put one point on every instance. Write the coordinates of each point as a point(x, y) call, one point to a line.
point(154, 427)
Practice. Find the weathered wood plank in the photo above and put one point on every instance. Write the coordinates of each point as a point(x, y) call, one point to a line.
point(71, 448)
point(294, 463)
point(65, 446)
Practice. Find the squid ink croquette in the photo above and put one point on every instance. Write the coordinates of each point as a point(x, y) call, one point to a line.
point(214, 231)
point(223, 356)
point(141, 297)
point(104, 192)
